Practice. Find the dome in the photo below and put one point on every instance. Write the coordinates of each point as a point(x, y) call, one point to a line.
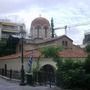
point(40, 21)
point(40, 29)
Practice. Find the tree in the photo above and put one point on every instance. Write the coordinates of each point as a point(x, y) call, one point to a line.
point(8, 46)
point(88, 48)
point(3, 43)
point(87, 60)
point(51, 52)
point(70, 74)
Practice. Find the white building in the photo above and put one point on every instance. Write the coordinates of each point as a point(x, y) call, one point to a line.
point(9, 28)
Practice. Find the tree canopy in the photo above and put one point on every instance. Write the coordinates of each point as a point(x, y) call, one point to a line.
point(51, 51)
point(8, 46)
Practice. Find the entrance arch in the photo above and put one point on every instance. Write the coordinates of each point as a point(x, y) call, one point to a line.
point(47, 74)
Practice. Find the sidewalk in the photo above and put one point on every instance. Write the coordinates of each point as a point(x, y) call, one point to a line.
point(8, 79)
point(13, 84)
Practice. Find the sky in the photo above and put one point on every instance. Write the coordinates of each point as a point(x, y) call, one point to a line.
point(73, 13)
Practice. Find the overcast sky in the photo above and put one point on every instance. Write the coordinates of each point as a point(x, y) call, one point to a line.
point(64, 12)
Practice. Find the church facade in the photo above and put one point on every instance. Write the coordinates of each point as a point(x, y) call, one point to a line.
point(41, 36)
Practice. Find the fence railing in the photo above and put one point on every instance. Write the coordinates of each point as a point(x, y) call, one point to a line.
point(10, 73)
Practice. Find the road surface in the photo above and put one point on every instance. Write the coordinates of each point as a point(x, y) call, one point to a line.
point(9, 85)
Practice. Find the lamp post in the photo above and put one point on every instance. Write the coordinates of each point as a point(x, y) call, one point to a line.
point(22, 32)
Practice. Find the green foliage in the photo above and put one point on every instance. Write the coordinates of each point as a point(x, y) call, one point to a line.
point(3, 46)
point(51, 51)
point(8, 46)
point(72, 74)
point(87, 64)
point(3, 42)
point(88, 48)
point(87, 60)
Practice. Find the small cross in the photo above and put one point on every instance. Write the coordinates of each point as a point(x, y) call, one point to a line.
point(40, 15)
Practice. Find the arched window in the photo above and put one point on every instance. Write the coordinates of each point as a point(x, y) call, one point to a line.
point(45, 31)
point(38, 31)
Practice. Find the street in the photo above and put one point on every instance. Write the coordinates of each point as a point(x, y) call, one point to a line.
point(9, 85)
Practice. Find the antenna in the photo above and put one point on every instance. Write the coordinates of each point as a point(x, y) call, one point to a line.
point(66, 30)
point(40, 15)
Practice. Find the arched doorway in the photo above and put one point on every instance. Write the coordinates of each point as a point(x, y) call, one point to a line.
point(46, 74)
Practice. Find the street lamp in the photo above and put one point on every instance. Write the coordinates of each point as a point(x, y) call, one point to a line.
point(22, 32)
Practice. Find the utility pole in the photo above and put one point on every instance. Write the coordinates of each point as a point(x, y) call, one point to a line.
point(52, 27)
point(66, 30)
point(22, 58)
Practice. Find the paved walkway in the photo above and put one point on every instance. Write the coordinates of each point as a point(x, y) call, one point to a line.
point(9, 85)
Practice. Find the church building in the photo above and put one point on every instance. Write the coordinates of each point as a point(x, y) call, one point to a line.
point(41, 36)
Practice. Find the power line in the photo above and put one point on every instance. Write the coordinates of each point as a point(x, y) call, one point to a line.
point(82, 24)
point(70, 26)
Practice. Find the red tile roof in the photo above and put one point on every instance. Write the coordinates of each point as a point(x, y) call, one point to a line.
point(56, 38)
point(52, 39)
point(35, 53)
point(13, 56)
point(73, 53)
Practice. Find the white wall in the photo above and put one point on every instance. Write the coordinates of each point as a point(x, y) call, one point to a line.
point(15, 64)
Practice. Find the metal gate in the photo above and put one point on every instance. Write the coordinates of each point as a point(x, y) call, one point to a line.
point(46, 75)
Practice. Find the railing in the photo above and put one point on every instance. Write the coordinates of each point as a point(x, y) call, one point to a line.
point(10, 27)
point(10, 73)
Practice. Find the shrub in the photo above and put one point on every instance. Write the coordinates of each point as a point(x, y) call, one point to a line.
point(71, 74)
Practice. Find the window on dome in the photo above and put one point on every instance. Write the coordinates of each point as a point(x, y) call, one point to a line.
point(38, 31)
point(45, 31)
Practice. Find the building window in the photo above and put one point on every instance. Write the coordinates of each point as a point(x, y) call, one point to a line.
point(38, 31)
point(45, 31)
point(65, 43)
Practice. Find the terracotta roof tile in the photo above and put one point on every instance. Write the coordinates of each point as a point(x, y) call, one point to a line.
point(73, 53)
point(40, 21)
point(35, 53)
point(10, 56)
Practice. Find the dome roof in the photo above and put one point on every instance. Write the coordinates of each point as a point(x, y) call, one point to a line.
point(40, 21)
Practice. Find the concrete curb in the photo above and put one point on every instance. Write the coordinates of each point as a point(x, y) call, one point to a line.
point(8, 79)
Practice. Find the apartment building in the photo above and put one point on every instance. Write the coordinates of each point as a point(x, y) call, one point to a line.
point(8, 28)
